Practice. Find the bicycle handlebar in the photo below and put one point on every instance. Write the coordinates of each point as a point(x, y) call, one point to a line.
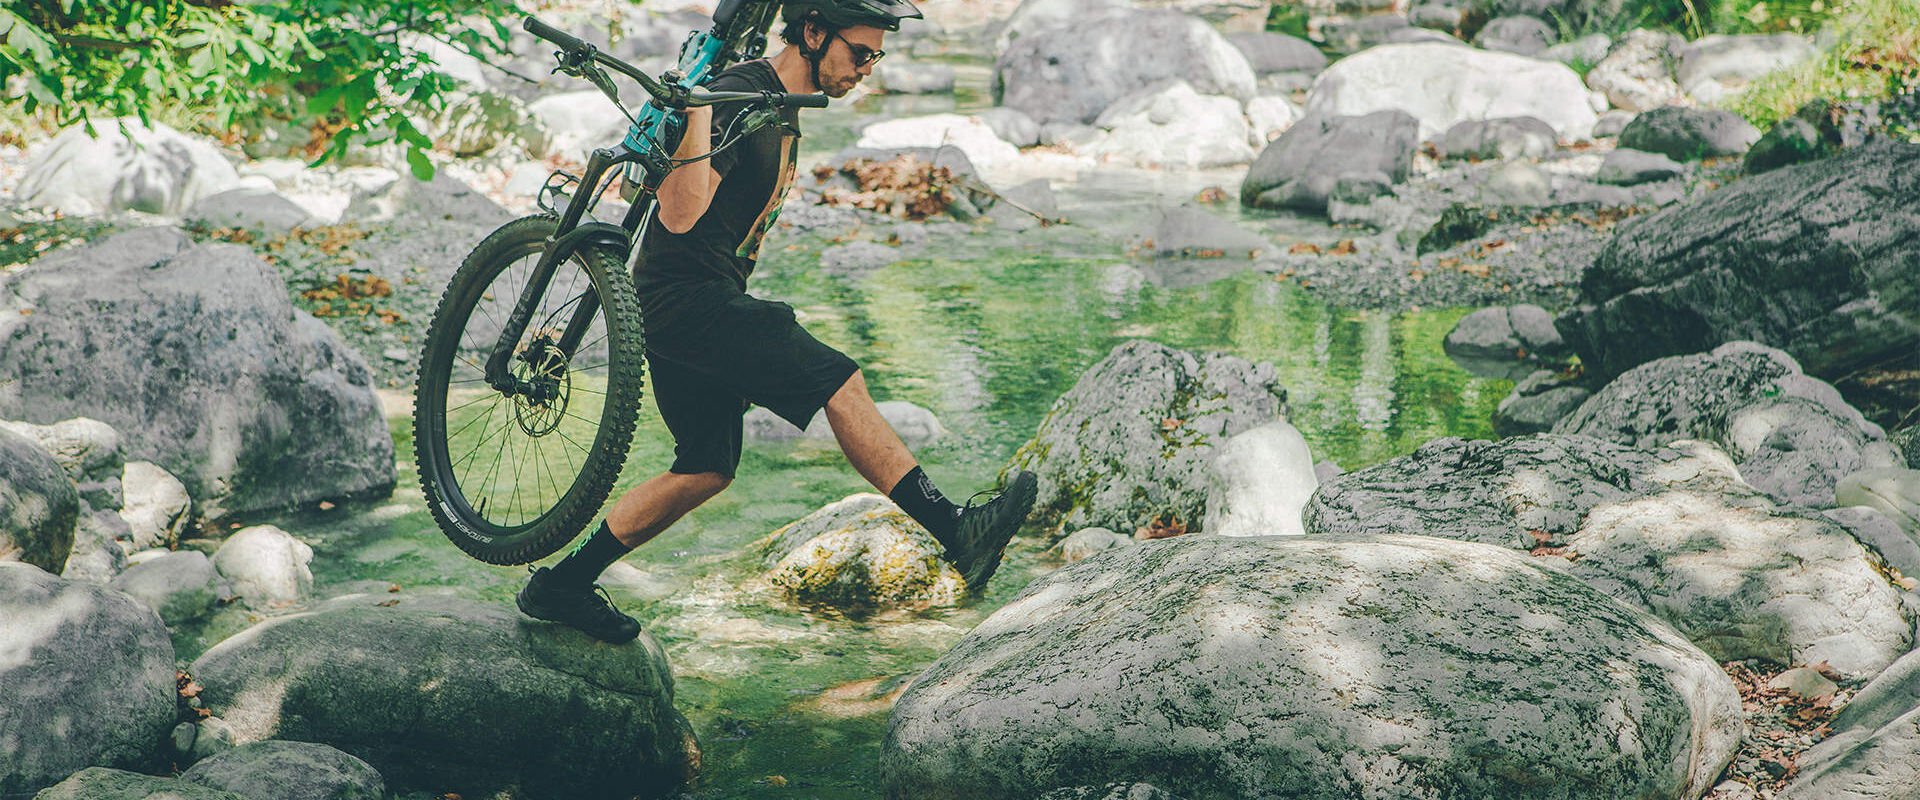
point(574, 51)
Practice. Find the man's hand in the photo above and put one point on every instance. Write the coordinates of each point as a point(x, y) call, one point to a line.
point(687, 191)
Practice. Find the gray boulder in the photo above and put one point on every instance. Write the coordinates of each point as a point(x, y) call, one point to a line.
point(1132, 439)
point(1073, 74)
point(916, 78)
point(1628, 167)
point(1505, 342)
point(1191, 231)
point(1536, 403)
point(1521, 34)
point(1268, 53)
point(1271, 667)
point(1716, 67)
point(1504, 138)
point(433, 691)
point(1444, 84)
point(1587, 50)
point(1300, 169)
point(196, 355)
point(38, 505)
point(273, 770)
point(1893, 544)
point(1087, 543)
point(1817, 130)
point(1880, 765)
point(125, 165)
point(1689, 134)
point(1262, 479)
point(1797, 450)
point(181, 586)
point(1169, 125)
point(1811, 259)
point(89, 676)
point(251, 208)
point(100, 546)
point(102, 783)
point(1012, 125)
point(1612, 123)
point(860, 554)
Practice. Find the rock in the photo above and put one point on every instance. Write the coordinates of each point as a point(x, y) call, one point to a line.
point(577, 122)
point(101, 783)
point(1689, 134)
point(251, 208)
point(89, 676)
point(1506, 138)
point(181, 586)
point(1898, 548)
point(157, 508)
point(1792, 435)
point(410, 205)
point(431, 691)
point(288, 771)
point(1300, 169)
point(1170, 125)
point(1819, 129)
point(1268, 117)
point(1746, 581)
point(1261, 481)
point(1505, 342)
point(1087, 543)
point(1888, 697)
point(1524, 35)
point(195, 354)
point(1588, 51)
point(1638, 75)
point(1356, 34)
point(1073, 74)
point(1627, 167)
point(268, 567)
point(1442, 85)
point(1892, 491)
point(916, 78)
point(1225, 667)
point(1517, 184)
point(128, 166)
point(968, 134)
point(1879, 766)
point(1012, 125)
point(1110, 791)
point(1810, 259)
point(1268, 53)
point(87, 450)
point(482, 122)
point(1071, 135)
point(1191, 231)
point(1612, 123)
point(1536, 404)
point(212, 737)
point(1132, 439)
point(99, 547)
point(1035, 16)
point(860, 554)
point(38, 505)
point(915, 424)
point(1716, 67)
point(1805, 683)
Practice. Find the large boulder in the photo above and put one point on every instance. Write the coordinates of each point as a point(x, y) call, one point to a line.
point(970, 135)
point(1537, 403)
point(1689, 134)
point(275, 770)
point(1270, 53)
point(156, 506)
point(1131, 441)
point(578, 121)
point(1398, 666)
point(1443, 85)
point(1504, 138)
point(196, 355)
point(89, 676)
point(124, 165)
point(1170, 125)
point(1811, 259)
point(860, 554)
point(38, 505)
point(1505, 341)
point(443, 694)
point(181, 586)
point(251, 208)
point(1073, 74)
point(1894, 492)
point(103, 783)
point(1301, 169)
point(1716, 67)
point(1871, 752)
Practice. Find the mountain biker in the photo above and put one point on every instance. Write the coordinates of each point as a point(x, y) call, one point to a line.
point(713, 349)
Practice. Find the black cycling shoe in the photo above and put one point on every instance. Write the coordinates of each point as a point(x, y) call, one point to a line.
point(587, 609)
point(985, 529)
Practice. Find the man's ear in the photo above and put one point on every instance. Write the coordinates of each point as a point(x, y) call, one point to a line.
point(815, 36)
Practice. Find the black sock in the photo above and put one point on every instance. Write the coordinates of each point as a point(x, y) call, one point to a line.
point(916, 495)
point(591, 558)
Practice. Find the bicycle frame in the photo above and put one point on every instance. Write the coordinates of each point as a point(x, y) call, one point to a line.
point(739, 33)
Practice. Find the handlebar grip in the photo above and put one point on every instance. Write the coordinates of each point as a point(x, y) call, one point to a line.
point(566, 41)
point(807, 100)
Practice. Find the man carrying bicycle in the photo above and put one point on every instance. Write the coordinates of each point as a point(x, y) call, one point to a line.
point(714, 350)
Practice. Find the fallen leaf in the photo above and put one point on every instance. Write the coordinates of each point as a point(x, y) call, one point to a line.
point(1304, 248)
point(326, 505)
point(775, 780)
point(1344, 248)
point(1169, 424)
point(388, 603)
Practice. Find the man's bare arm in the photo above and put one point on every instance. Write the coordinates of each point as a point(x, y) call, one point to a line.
point(687, 191)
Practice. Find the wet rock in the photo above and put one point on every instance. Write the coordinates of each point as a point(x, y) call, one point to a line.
point(251, 208)
point(914, 423)
point(1132, 439)
point(102, 783)
point(1627, 167)
point(1191, 231)
point(1442, 85)
point(1898, 548)
point(967, 134)
point(1087, 543)
point(1073, 74)
point(197, 357)
point(1520, 34)
point(156, 508)
point(1505, 342)
point(1536, 404)
point(1819, 129)
point(1261, 481)
point(90, 680)
point(1638, 75)
point(1300, 169)
point(1011, 125)
point(267, 567)
point(1268, 53)
point(860, 554)
point(288, 771)
point(127, 166)
point(38, 505)
point(1239, 633)
point(1689, 134)
point(1807, 258)
point(1715, 67)
point(1170, 125)
point(1506, 138)
point(1892, 491)
point(181, 586)
point(431, 691)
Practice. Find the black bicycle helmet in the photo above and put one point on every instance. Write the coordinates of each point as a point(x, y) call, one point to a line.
point(883, 14)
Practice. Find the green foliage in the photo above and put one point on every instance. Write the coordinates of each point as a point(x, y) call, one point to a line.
point(338, 64)
point(1289, 18)
point(1876, 56)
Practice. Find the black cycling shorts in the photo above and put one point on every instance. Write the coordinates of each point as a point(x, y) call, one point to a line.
point(723, 352)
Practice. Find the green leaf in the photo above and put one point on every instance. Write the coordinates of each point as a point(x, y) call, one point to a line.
point(417, 160)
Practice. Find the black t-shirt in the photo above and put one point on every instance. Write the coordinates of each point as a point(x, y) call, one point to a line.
point(723, 245)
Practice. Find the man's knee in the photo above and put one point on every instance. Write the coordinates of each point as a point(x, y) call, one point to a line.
point(704, 484)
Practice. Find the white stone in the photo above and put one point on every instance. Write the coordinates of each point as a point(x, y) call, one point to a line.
point(1269, 117)
point(1087, 543)
point(1261, 481)
point(1716, 67)
point(1636, 76)
point(971, 135)
point(156, 506)
point(579, 122)
point(1443, 84)
point(267, 566)
point(1174, 126)
point(155, 169)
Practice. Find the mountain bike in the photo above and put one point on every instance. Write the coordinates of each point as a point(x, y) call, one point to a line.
point(532, 371)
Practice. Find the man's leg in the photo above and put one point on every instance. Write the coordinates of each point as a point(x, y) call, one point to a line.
point(872, 447)
point(640, 514)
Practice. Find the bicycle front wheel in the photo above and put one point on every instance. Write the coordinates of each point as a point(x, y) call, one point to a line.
point(511, 476)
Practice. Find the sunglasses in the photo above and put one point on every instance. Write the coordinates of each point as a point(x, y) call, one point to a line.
point(862, 54)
